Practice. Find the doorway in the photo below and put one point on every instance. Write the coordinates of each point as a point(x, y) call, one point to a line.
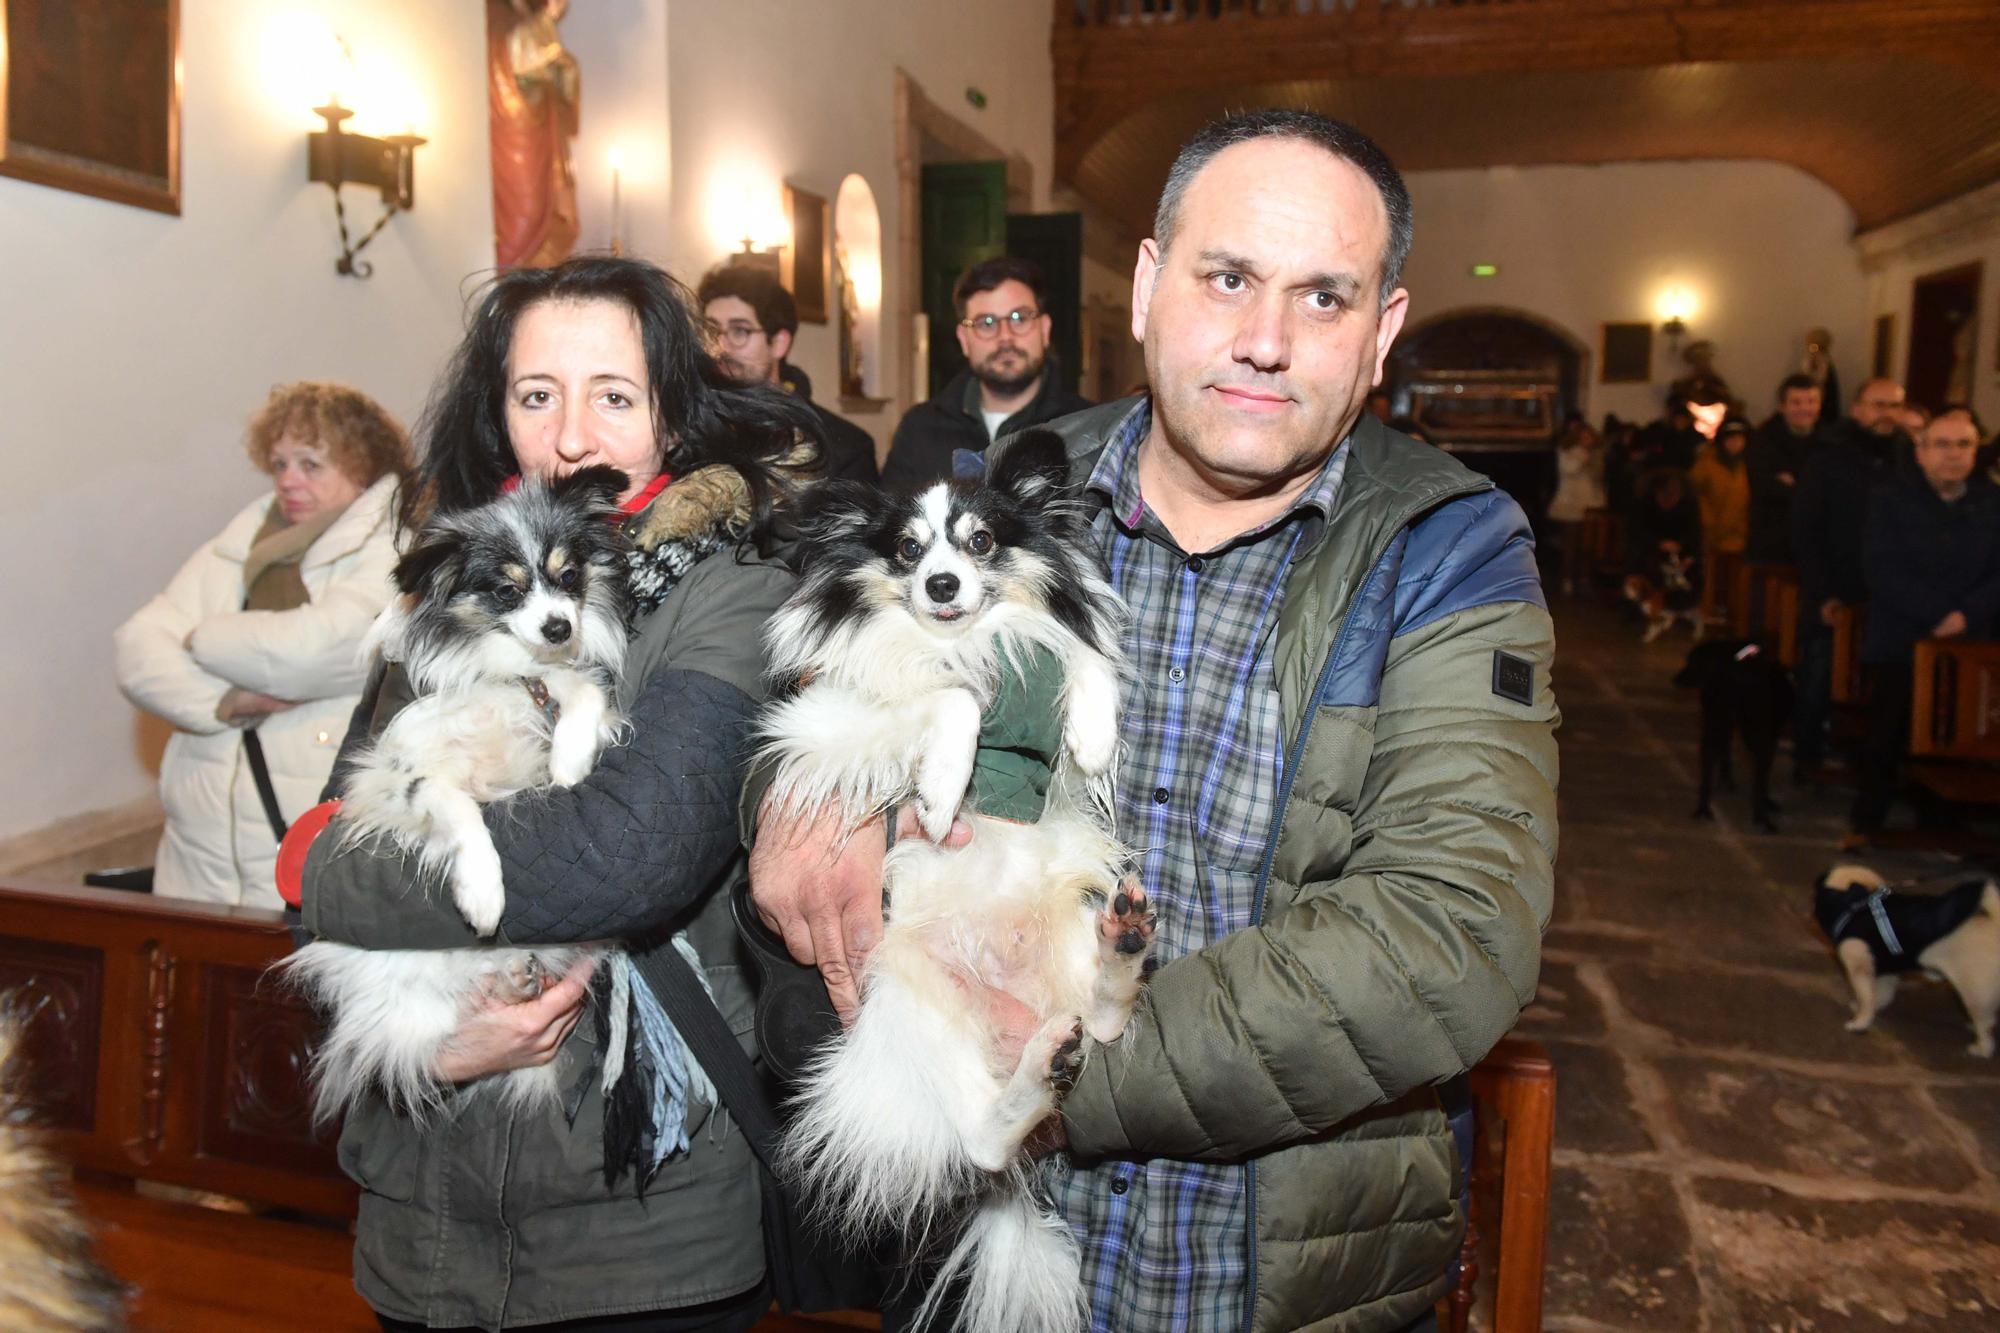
point(1944, 331)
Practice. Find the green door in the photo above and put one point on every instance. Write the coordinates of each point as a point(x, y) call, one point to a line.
point(1055, 241)
point(965, 221)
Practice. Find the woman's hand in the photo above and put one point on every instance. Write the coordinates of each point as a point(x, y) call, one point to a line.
point(244, 708)
point(499, 1035)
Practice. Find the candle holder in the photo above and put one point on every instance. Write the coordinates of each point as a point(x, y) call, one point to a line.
point(335, 158)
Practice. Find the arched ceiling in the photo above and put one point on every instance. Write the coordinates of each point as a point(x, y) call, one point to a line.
point(1891, 135)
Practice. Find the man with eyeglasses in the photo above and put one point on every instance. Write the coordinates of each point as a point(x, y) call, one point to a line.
point(1003, 328)
point(752, 320)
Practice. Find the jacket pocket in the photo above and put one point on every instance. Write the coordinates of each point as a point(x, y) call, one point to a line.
point(380, 1151)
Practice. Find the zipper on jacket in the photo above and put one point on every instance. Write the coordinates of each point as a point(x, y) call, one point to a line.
point(1297, 752)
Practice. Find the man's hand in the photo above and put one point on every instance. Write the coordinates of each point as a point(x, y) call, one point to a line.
point(500, 1035)
point(1950, 627)
point(1828, 608)
point(242, 708)
point(821, 889)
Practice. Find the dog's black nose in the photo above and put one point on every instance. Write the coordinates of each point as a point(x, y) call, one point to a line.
point(941, 587)
point(556, 630)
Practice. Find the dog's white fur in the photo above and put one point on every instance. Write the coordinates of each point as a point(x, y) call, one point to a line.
point(1968, 960)
point(908, 1118)
point(473, 735)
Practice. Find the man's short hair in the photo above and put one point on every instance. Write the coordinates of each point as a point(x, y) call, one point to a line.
point(1964, 410)
point(1335, 136)
point(990, 273)
point(1791, 382)
point(756, 288)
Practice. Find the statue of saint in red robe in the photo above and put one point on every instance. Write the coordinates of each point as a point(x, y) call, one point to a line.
point(534, 91)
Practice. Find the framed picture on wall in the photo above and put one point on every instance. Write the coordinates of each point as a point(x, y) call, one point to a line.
point(807, 266)
point(90, 98)
point(1625, 354)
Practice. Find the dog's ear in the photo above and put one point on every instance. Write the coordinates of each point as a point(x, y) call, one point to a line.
point(421, 568)
point(837, 510)
point(598, 486)
point(1033, 468)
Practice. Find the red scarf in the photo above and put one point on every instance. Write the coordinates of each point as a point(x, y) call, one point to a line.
point(626, 508)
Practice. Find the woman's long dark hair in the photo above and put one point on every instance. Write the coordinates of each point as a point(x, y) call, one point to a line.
point(700, 415)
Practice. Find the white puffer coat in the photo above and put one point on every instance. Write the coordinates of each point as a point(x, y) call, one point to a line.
point(218, 844)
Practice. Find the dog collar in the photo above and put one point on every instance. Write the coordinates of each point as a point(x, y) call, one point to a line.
point(538, 690)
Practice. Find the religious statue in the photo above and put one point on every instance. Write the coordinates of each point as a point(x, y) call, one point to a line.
point(534, 94)
point(1818, 363)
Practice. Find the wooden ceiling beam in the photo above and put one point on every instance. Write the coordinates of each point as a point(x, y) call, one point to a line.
point(1104, 70)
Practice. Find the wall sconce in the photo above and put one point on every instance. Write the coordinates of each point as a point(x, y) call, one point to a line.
point(335, 158)
point(1675, 306)
point(768, 260)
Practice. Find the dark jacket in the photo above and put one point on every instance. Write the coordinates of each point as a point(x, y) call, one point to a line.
point(1406, 883)
point(1773, 453)
point(501, 1218)
point(1926, 558)
point(920, 454)
point(1648, 525)
point(850, 450)
point(1830, 514)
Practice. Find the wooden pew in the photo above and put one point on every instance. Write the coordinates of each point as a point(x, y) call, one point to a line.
point(157, 1051)
point(1514, 1098)
point(1604, 545)
point(1955, 720)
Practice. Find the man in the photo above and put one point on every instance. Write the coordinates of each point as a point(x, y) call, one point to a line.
point(1933, 571)
point(1340, 775)
point(1774, 460)
point(1003, 329)
point(1829, 516)
point(753, 320)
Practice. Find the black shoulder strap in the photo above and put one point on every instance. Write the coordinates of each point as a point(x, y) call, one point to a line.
point(712, 1045)
point(260, 772)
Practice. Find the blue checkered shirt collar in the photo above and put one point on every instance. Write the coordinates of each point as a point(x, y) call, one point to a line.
point(1115, 481)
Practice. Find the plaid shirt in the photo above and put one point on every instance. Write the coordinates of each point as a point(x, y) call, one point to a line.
point(1165, 1243)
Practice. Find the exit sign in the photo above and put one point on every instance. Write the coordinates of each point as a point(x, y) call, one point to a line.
point(1485, 270)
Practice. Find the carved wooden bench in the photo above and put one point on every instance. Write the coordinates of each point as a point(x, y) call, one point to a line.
point(156, 1051)
point(1955, 720)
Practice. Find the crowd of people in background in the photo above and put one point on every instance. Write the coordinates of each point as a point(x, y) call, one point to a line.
point(1888, 512)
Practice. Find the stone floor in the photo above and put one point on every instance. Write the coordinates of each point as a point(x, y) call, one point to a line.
point(1727, 1157)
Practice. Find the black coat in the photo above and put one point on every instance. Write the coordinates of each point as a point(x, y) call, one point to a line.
point(1926, 558)
point(920, 454)
point(1830, 513)
point(1773, 451)
point(850, 450)
point(1649, 525)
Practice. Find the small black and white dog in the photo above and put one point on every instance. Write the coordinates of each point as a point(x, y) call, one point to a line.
point(895, 643)
point(1745, 691)
point(510, 625)
point(1878, 934)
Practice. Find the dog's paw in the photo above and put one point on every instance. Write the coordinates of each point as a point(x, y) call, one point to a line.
point(1766, 823)
point(1982, 1049)
point(477, 887)
point(1090, 727)
point(1702, 812)
point(1859, 1024)
point(571, 757)
point(521, 977)
point(1065, 1052)
point(1125, 927)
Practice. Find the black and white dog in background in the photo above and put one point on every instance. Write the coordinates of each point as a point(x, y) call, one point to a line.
point(1878, 934)
point(510, 624)
point(894, 645)
point(1745, 692)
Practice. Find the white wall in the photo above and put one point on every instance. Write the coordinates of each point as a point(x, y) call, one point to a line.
point(1765, 249)
point(760, 92)
point(134, 346)
point(1960, 231)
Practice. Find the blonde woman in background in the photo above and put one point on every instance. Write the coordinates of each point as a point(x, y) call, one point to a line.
point(255, 641)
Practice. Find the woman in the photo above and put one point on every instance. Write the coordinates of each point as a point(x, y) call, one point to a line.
point(1721, 484)
point(257, 637)
point(1579, 490)
point(495, 1218)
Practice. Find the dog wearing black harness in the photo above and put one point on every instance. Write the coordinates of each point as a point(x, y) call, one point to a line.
point(1879, 933)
